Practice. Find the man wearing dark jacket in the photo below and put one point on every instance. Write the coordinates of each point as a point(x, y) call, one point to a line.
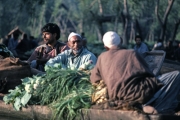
point(51, 48)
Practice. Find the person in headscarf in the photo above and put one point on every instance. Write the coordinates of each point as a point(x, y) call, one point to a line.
point(130, 82)
point(76, 56)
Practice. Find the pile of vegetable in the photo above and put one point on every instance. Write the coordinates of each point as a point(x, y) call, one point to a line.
point(66, 91)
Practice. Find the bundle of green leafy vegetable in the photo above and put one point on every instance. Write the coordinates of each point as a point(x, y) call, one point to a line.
point(66, 91)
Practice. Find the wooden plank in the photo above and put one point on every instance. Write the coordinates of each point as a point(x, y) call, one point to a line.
point(34, 112)
point(94, 114)
point(37, 112)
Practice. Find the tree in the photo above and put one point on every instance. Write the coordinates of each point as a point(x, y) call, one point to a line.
point(163, 21)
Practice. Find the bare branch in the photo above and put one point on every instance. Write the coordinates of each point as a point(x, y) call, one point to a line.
point(168, 9)
point(100, 7)
point(93, 2)
point(157, 12)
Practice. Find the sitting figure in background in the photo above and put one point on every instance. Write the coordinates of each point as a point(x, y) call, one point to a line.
point(169, 50)
point(76, 56)
point(23, 46)
point(130, 82)
point(140, 46)
point(51, 48)
point(33, 42)
point(12, 44)
point(159, 45)
point(6, 40)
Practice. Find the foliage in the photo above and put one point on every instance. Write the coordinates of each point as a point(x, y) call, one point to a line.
point(97, 48)
point(18, 97)
point(65, 90)
point(74, 15)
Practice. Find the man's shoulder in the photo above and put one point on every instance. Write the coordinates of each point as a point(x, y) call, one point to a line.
point(144, 44)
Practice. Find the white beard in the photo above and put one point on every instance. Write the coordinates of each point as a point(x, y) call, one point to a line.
point(77, 51)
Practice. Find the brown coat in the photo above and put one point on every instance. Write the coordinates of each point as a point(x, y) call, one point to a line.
point(126, 75)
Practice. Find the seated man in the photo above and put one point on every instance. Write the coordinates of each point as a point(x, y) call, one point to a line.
point(130, 82)
point(12, 44)
point(140, 46)
point(76, 56)
point(52, 47)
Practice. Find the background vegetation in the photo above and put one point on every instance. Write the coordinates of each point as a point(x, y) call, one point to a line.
point(152, 19)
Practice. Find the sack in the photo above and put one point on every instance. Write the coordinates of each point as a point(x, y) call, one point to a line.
point(100, 94)
point(12, 70)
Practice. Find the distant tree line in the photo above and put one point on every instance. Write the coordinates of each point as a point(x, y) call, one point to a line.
point(152, 19)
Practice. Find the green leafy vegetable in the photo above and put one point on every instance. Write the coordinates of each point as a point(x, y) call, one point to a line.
point(65, 90)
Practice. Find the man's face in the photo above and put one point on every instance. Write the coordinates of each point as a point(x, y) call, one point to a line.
point(138, 41)
point(75, 43)
point(48, 37)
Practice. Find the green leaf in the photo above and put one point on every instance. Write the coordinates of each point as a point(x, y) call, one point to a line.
point(26, 80)
point(25, 99)
point(6, 99)
point(17, 104)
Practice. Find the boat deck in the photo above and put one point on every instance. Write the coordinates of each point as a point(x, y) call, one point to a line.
point(37, 112)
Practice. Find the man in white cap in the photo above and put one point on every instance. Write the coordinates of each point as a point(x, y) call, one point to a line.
point(130, 82)
point(76, 56)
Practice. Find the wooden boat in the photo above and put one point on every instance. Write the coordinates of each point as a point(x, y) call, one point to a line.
point(37, 112)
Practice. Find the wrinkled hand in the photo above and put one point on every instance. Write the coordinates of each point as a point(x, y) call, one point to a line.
point(41, 61)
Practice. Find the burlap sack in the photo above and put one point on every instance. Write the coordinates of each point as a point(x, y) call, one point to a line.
point(12, 70)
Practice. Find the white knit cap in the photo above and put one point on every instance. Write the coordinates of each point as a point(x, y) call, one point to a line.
point(73, 34)
point(111, 39)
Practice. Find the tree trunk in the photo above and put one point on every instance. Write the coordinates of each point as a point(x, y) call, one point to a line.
point(125, 40)
point(100, 30)
point(138, 29)
point(125, 18)
point(116, 24)
point(164, 21)
point(99, 26)
point(100, 7)
point(132, 34)
point(151, 36)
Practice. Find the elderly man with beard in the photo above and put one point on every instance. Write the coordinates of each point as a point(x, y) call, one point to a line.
point(52, 47)
point(76, 56)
